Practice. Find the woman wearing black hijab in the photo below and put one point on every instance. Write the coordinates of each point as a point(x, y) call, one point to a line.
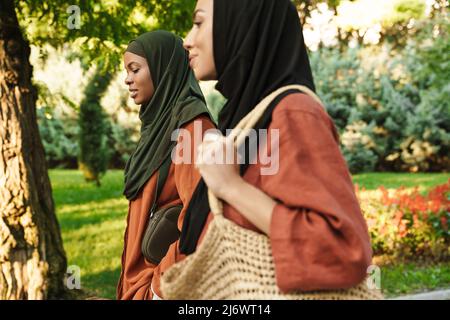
point(160, 80)
point(307, 207)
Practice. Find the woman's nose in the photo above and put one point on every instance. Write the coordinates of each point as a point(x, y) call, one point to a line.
point(128, 81)
point(187, 43)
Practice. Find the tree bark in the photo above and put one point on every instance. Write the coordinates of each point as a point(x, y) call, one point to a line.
point(32, 259)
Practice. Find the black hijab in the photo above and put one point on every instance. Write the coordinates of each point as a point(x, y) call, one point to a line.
point(258, 48)
point(177, 100)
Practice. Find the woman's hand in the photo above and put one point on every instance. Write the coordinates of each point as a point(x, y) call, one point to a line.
point(221, 175)
point(218, 165)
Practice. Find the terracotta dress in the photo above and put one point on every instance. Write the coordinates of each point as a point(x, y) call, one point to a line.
point(318, 234)
point(138, 276)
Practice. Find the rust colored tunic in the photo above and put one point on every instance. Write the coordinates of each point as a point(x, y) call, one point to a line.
point(138, 275)
point(318, 235)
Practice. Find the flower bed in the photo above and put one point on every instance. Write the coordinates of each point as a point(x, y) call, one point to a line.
point(407, 225)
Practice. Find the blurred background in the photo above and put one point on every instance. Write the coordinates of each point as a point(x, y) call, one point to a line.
point(382, 69)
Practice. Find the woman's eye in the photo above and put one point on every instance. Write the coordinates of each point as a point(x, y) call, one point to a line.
point(197, 24)
point(135, 71)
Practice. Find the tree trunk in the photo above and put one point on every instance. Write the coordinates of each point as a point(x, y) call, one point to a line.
point(32, 258)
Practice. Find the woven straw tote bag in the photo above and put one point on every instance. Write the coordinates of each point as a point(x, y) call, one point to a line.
point(236, 263)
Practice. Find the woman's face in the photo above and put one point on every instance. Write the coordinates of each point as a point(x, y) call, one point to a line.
point(199, 42)
point(139, 79)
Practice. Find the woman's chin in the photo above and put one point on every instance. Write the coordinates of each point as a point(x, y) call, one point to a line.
point(205, 76)
point(201, 76)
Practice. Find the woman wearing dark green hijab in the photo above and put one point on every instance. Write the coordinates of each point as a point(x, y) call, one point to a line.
point(160, 80)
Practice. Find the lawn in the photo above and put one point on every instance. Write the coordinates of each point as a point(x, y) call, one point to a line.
point(92, 222)
point(425, 181)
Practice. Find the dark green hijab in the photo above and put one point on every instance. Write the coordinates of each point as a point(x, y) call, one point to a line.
point(177, 100)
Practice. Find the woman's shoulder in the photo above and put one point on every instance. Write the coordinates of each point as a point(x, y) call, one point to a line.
point(203, 121)
point(300, 112)
point(300, 103)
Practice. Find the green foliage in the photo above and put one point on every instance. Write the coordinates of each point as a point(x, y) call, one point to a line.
point(335, 77)
point(94, 151)
point(427, 61)
point(360, 159)
point(59, 135)
point(105, 26)
point(391, 108)
point(59, 138)
point(404, 11)
point(173, 15)
point(120, 143)
point(59, 125)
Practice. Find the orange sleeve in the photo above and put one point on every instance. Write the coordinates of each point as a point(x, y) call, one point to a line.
point(318, 235)
point(186, 180)
point(186, 175)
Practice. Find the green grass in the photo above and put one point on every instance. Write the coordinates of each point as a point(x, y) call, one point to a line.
point(93, 220)
point(411, 278)
point(372, 181)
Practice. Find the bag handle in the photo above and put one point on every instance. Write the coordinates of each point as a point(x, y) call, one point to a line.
point(242, 129)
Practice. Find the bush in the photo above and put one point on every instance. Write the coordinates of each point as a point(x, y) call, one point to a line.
point(406, 225)
point(427, 60)
point(399, 100)
point(59, 137)
point(369, 110)
point(121, 144)
point(357, 145)
point(94, 152)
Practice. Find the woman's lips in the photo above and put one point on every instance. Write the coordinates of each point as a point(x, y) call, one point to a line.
point(191, 61)
point(133, 94)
